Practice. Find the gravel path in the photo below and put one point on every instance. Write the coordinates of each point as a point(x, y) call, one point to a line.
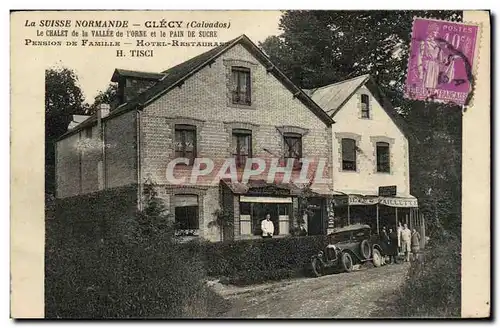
point(367, 292)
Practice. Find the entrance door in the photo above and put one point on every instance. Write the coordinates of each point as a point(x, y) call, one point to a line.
point(315, 221)
point(259, 211)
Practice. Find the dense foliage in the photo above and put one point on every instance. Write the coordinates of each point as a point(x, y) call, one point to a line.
point(108, 96)
point(257, 260)
point(63, 98)
point(432, 288)
point(137, 270)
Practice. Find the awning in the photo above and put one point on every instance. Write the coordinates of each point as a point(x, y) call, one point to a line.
point(344, 200)
point(322, 190)
point(185, 200)
point(261, 188)
point(272, 200)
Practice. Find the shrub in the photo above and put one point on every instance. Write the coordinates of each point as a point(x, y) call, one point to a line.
point(142, 272)
point(433, 288)
point(256, 260)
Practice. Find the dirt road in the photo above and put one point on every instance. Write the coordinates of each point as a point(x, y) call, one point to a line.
point(368, 292)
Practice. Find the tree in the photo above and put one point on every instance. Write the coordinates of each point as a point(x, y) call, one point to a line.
point(107, 96)
point(63, 98)
point(317, 48)
point(154, 222)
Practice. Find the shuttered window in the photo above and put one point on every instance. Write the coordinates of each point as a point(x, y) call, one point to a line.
point(383, 157)
point(241, 86)
point(348, 154)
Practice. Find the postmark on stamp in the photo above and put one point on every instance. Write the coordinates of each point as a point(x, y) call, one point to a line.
point(441, 61)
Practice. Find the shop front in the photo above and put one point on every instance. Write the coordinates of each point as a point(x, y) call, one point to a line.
point(248, 204)
point(376, 211)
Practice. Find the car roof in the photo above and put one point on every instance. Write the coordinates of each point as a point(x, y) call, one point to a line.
point(352, 227)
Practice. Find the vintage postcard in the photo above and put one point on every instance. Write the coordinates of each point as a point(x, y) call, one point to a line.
point(250, 164)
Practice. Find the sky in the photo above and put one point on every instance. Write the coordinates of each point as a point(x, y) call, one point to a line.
point(94, 66)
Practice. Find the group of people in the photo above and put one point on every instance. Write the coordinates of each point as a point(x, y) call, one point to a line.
point(403, 240)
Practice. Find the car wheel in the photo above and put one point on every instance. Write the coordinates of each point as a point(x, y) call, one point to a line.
point(377, 258)
point(365, 249)
point(317, 267)
point(347, 262)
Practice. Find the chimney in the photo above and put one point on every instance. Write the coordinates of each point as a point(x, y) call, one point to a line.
point(102, 112)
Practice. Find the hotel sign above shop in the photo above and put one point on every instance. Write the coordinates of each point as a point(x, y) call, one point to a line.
point(387, 191)
point(374, 200)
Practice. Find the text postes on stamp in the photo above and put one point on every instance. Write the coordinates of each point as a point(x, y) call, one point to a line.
point(441, 61)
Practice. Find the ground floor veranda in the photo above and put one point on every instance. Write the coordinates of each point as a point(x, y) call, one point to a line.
point(246, 205)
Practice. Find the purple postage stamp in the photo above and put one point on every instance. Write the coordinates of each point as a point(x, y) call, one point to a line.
point(441, 60)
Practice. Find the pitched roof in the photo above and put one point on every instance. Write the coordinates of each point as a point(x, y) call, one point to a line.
point(76, 120)
point(332, 97)
point(137, 74)
point(385, 103)
point(176, 76)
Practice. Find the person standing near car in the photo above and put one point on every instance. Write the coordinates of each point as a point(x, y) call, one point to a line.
point(384, 237)
point(393, 246)
point(400, 229)
point(406, 242)
point(267, 227)
point(415, 244)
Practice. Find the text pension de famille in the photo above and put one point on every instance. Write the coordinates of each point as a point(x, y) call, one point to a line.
point(123, 28)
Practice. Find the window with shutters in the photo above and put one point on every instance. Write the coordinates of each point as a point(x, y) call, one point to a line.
point(242, 146)
point(293, 148)
point(241, 86)
point(383, 157)
point(348, 154)
point(185, 142)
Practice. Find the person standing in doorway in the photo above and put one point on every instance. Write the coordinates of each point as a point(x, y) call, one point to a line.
point(406, 242)
point(415, 244)
point(267, 227)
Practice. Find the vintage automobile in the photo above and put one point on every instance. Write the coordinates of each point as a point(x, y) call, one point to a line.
point(346, 247)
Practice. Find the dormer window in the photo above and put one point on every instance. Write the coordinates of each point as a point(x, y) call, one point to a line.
point(241, 86)
point(365, 106)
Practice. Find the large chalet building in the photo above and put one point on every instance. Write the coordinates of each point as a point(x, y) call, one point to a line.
point(228, 130)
